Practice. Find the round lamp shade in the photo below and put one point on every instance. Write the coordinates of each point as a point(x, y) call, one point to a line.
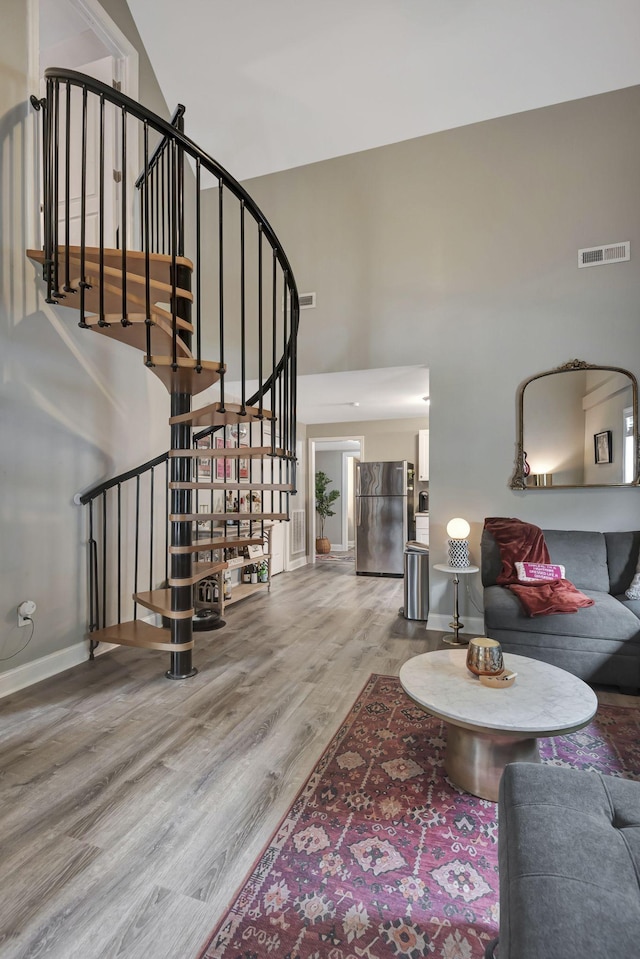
point(458, 528)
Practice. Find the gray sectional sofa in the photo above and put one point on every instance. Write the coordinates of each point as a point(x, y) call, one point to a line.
point(569, 858)
point(599, 643)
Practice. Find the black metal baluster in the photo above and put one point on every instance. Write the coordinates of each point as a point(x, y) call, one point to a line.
point(67, 190)
point(198, 273)
point(166, 513)
point(260, 345)
point(47, 197)
point(119, 553)
point(221, 286)
point(274, 308)
point(151, 526)
point(174, 245)
point(124, 217)
point(146, 241)
point(104, 559)
point(56, 189)
point(101, 205)
point(137, 548)
point(162, 199)
point(284, 408)
point(243, 317)
point(179, 123)
point(83, 212)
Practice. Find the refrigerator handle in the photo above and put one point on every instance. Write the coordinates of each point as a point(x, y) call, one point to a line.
point(357, 479)
point(358, 511)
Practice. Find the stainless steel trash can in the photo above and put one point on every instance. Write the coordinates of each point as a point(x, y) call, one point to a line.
point(416, 581)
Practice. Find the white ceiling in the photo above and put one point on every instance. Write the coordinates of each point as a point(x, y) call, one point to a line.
point(273, 85)
point(389, 394)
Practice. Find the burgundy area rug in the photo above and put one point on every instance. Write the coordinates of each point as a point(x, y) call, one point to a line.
point(379, 855)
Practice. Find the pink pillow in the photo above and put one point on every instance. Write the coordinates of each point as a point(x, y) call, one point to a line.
point(532, 572)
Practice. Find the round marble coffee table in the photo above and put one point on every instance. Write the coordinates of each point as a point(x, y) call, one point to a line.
point(488, 728)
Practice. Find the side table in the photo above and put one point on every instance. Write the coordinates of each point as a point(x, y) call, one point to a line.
point(455, 625)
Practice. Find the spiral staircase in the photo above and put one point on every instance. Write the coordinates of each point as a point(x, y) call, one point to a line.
point(174, 262)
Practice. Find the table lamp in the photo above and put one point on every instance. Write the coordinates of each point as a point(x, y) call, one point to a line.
point(458, 544)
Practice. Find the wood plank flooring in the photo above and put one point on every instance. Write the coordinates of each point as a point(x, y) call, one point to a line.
point(133, 806)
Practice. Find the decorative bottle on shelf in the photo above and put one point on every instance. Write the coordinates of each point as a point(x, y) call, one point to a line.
point(227, 585)
point(254, 574)
point(263, 571)
point(246, 574)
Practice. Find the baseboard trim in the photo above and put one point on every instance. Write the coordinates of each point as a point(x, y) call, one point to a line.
point(297, 563)
point(472, 624)
point(29, 673)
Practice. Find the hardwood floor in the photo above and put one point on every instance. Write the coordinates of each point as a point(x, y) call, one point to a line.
point(133, 806)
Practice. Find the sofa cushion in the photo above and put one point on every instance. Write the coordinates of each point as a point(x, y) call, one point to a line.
point(569, 850)
point(622, 558)
point(632, 604)
point(583, 554)
point(608, 619)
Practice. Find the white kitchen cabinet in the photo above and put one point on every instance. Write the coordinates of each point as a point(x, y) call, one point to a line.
point(422, 528)
point(423, 455)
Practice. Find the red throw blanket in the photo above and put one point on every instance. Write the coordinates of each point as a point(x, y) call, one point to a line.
point(521, 542)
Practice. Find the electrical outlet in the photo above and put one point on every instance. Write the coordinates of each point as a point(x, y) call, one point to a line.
point(25, 612)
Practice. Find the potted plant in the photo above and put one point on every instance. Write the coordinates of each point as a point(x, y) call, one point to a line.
point(324, 500)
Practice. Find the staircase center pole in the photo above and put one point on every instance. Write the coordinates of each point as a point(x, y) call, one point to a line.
point(181, 533)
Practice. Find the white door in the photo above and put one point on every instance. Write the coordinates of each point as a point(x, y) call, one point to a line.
point(104, 70)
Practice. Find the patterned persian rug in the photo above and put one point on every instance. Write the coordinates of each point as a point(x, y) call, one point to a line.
point(379, 855)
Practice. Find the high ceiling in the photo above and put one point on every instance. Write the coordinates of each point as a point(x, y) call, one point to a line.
point(273, 84)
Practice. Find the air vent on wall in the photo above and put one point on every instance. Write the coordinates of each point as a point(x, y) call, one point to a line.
point(599, 255)
point(307, 301)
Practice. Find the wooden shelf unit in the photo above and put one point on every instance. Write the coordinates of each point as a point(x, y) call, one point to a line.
point(238, 590)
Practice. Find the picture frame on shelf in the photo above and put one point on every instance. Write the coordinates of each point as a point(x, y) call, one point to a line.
point(203, 467)
point(255, 551)
point(603, 447)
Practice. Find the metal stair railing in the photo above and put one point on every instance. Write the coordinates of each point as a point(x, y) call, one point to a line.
point(244, 308)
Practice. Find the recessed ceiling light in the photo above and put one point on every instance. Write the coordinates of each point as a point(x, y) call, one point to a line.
point(355, 404)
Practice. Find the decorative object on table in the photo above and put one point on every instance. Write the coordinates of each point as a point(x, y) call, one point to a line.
point(381, 851)
point(541, 479)
point(526, 469)
point(499, 680)
point(603, 447)
point(484, 656)
point(324, 501)
point(458, 543)
point(456, 625)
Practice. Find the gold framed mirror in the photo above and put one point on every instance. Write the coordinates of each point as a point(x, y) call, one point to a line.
point(577, 426)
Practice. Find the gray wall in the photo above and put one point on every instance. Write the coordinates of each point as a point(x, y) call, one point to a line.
point(75, 408)
point(458, 250)
point(383, 439)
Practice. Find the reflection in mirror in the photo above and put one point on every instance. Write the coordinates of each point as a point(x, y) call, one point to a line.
point(578, 426)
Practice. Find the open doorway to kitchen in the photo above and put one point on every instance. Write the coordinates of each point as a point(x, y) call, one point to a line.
point(336, 458)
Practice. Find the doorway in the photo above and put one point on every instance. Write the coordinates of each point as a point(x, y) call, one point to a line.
point(336, 457)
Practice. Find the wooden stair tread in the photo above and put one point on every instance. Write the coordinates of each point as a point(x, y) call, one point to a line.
point(135, 336)
point(235, 452)
point(159, 290)
point(159, 600)
point(219, 542)
point(222, 517)
point(186, 379)
point(200, 571)
point(138, 633)
point(212, 415)
point(248, 486)
point(112, 299)
point(159, 263)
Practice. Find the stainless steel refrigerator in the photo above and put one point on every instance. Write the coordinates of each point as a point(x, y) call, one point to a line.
point(385, 516)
